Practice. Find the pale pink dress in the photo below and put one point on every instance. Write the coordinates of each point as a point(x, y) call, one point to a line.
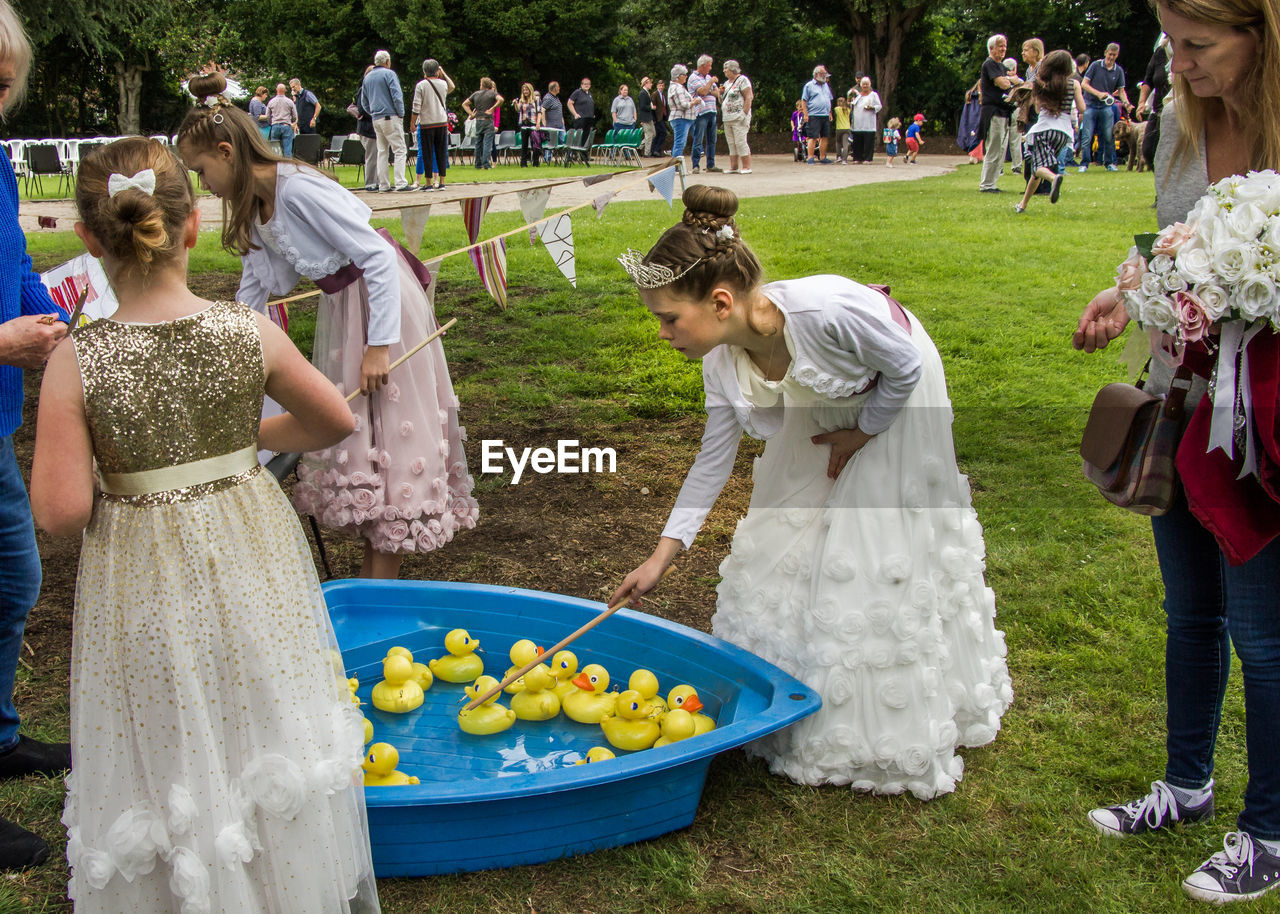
point(400, 480)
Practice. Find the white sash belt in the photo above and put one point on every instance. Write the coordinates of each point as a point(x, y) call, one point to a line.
point(211, 469)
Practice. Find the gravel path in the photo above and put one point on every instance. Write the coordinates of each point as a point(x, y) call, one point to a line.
point(771, 175)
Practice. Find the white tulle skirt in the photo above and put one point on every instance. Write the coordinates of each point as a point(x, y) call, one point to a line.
point(216, 752)
point(869, 589)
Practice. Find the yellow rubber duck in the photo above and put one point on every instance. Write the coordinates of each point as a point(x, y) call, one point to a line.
point(686, 697)
point(461, 663)
point(630, 726)
point(536, 701)
point(646, 684)
point(595, 754)
point(368, 729)
point(564, 665)
point(590, 700)
point(676, 724)
point(353, 685)
point(380, 767)
point(489, 717)
point(397, 692)
point(421, 672)
point(522, 653)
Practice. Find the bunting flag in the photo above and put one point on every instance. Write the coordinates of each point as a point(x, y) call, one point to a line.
point(602, 201)
point(664, 182)
point(595, 179)
point(66, 281)
point(473, 210)
point(533, 203)
point(413, 219)
point(490, 259)
point(557, 236)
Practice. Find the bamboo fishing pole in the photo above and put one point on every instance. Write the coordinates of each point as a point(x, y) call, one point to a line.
point(549, 652)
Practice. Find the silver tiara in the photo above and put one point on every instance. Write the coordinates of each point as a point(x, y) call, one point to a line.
point(650, 275)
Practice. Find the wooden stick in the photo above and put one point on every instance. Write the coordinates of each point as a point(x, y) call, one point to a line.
point(549, 652)
point(439, 333)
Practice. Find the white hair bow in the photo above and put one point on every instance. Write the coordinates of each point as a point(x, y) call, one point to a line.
point(144, 181)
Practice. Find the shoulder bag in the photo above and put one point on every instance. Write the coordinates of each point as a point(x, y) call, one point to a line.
point(1130, 441)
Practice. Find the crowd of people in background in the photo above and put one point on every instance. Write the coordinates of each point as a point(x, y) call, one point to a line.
point(1042, 128)
point(681, 117)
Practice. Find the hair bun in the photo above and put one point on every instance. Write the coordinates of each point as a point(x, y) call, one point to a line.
point(711, 206)
point(207, 84)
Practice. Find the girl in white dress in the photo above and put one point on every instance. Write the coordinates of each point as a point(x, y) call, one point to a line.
point(859, 565)
point(399, 482)
point(216, 749)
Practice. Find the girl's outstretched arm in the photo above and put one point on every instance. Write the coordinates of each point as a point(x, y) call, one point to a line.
point(318, 415)
point(62, 471)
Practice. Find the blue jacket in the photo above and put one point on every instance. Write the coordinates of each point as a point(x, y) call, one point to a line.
point(21, 292)
point(382, 94)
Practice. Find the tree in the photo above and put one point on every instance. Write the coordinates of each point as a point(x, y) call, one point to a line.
point(878, 32)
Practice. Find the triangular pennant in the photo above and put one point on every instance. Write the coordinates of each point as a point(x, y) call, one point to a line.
point(602, 201)
point(413, 219)
point(533, 203)
point(490, 259)
point(664, 182)
point(473, 210)
point(557, 236)
point(595, 179)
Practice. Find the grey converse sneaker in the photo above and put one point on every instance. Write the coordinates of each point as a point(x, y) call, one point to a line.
point(1243, 869)
point(1158, 809)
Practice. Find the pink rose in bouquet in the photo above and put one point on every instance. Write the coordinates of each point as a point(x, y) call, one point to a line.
point(1193, 320)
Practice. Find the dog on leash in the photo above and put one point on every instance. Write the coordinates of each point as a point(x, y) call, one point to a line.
point(1129, 137)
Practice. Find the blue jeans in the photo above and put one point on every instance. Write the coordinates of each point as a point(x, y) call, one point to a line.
point(19, 582)
point(680, 133)
point(1210, 606)
point(1099, 121)
point(283, 133)
point(484, 140)
point(704, 137)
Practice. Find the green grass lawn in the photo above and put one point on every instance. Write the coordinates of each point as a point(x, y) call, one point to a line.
point(1076, 582)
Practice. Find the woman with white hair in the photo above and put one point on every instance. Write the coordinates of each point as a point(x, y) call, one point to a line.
point(680, 105)
point(735, 111)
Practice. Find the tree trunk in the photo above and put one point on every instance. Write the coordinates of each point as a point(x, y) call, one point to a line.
point(129, 84)
point(878, 36)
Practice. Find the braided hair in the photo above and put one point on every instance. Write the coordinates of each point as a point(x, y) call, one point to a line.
point(705, 246)
point(216, 120)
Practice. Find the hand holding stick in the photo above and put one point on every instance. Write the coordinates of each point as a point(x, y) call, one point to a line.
point(549, 652)
point(439, 333)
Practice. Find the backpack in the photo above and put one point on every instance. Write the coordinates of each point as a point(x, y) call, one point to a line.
point(888, 135)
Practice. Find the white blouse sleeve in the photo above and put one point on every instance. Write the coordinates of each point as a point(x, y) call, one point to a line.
point(877, 342)
point(711, 468)
point(252, 292)
point(332, 219)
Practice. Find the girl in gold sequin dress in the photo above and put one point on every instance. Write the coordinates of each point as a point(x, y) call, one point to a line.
point(216, 751)
point(399, 482)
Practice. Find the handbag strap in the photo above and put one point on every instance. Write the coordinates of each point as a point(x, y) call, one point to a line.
point(1177, 394)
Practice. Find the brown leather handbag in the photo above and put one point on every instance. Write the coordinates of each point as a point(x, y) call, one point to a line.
point(1130, 441)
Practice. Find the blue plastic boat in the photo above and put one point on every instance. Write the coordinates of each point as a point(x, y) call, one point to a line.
point(517, 797)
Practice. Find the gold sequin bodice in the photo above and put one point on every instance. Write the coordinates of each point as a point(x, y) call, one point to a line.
point(160, 395)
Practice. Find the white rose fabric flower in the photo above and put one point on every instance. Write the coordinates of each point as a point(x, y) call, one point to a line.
point(134, 840)
point(233, 846)
point(189, 880)
point(182, 810)
point(275, 784)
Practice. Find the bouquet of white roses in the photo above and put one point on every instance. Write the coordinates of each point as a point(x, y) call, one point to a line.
point(1222, 264)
